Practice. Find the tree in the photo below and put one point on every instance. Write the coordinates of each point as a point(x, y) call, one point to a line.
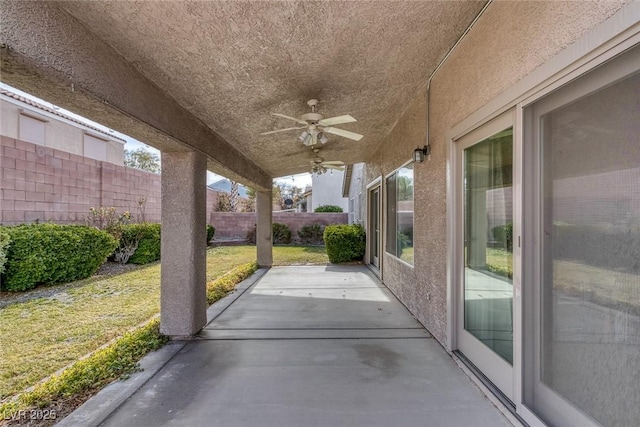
point(234, 196)
point(142, 159)
point(282, 192)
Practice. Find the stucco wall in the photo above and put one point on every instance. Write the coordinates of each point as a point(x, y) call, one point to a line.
point(508, 42)
point(42, 184)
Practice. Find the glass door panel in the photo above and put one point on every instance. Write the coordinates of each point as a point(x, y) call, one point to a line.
point(488, 257)
point(484, 250)
point(586, 340)
point(374, 227)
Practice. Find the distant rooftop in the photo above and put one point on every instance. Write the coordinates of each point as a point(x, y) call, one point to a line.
point(55, 112)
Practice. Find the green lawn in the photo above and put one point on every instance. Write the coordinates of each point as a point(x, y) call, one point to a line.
point(46, 334)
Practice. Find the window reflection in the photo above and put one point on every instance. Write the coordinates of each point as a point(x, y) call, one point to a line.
point(400, 213)
point(488, 289)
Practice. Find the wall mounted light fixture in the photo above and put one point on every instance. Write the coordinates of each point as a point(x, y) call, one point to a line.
point(420, 153)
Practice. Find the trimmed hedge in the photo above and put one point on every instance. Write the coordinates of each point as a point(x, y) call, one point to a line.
point(328, 208)
point(148, 244)
point(344, 242)
point(50, 253)
point(221, 286)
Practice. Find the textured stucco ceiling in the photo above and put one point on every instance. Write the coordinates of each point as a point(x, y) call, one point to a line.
point(232, 63)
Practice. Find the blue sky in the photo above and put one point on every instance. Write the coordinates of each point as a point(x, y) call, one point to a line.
point(299, 180)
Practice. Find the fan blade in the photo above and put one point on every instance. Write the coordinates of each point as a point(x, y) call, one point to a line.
point(284, 116)
point(344, 133)
point(282, 130)
point(337, 120)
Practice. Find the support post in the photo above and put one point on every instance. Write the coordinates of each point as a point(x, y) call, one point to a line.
point(264, 243)
point(183, 307)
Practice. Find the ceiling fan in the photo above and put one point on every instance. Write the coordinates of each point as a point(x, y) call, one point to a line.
point(320, 166)
point(315, 126)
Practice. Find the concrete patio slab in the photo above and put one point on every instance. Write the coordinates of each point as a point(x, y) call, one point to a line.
point(317, 297)
point(335, 348)
point(402, 382)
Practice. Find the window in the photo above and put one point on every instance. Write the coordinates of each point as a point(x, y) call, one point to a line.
point(95, 148)
point(32, 129)
point(400, 213)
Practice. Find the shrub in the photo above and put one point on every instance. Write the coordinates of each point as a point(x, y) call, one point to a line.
point(50, 253)
point(328, 208)
point(311, 234)
point(146, 239)
point(344, 242)
point(5, 239)
point(211, 231)
point(504, 235)
point(281, 233)
point(251, 235)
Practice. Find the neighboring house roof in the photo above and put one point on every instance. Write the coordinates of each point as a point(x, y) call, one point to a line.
point(55, 112)
point(224, 185)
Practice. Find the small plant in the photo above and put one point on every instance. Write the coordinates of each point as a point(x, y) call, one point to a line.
point(344, 242)
point(141, 210)
point(311, 234)
point(129, 240)
point(107, 219)
point(328, 208)
point(281, 233)
point(211, 231)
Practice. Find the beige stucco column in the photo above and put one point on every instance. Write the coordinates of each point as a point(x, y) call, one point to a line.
point(264, 243)
point(183, 278)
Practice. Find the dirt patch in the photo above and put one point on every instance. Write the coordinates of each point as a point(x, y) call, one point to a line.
point(50, 415)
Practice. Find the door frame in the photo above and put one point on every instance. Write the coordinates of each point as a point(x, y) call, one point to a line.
point(492, 366)
point(373, 185)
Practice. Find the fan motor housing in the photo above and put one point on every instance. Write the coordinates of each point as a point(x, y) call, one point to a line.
point(311, 117)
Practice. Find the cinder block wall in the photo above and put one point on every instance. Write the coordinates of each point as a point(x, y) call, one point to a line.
point(236, 225)
point(43, 184)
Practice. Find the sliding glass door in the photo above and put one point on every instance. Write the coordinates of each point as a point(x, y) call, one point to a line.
point(485, 250)
point(582, 340)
